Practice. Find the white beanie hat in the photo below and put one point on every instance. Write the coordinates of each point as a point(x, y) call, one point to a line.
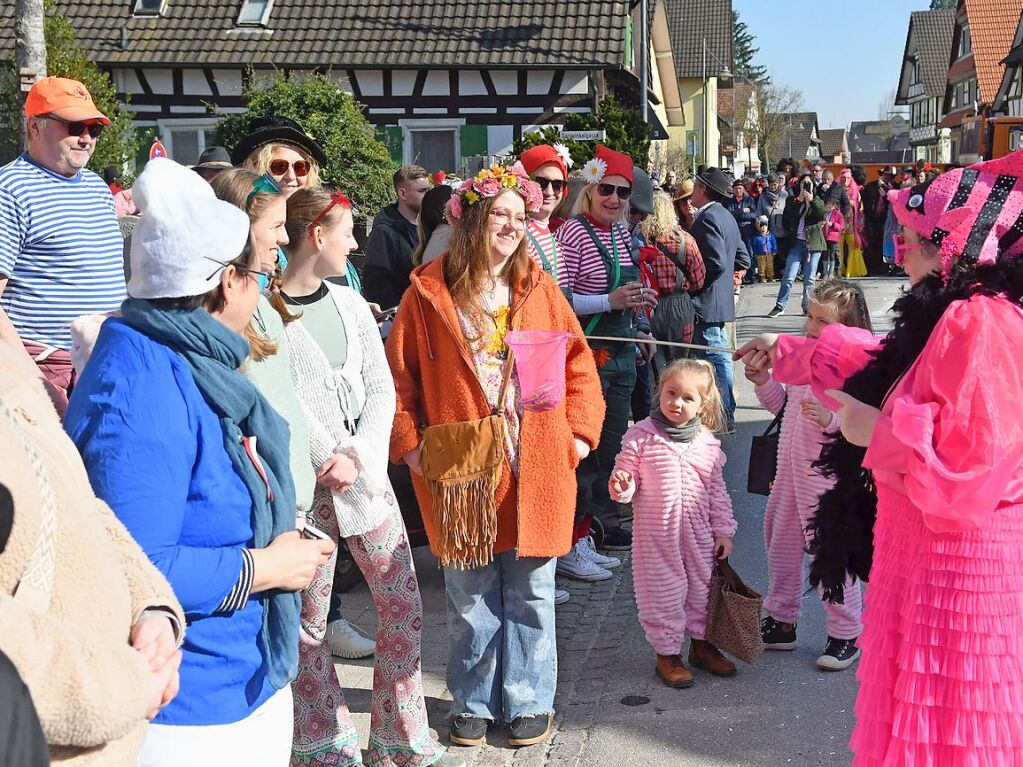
point(184, 232)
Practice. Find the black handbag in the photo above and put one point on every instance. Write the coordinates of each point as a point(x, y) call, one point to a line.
point(763, 458)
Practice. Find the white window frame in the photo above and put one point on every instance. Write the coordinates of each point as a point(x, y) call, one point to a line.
point(136, 10)
point(965, 42)
point(411, 124)
point(263, 20)
point(200, 126)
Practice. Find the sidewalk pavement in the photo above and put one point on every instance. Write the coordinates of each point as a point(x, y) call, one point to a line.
point(610, 708)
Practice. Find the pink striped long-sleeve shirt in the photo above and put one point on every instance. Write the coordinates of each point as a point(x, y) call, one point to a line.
point(799, 444)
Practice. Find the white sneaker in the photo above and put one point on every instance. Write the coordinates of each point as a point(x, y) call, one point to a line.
point(348, 642)
point(589, 550)
point(560, 596)
point(576, 565)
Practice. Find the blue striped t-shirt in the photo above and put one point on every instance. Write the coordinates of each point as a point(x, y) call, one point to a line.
point(60, 248)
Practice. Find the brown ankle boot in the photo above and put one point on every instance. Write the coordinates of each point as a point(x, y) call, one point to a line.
point(673, 671)
point(704, 655)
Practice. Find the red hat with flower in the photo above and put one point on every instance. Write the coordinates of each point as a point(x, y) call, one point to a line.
point(607, 162)
point(976, 211)
point(545, 154)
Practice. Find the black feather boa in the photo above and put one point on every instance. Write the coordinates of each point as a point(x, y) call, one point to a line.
point(842, 529)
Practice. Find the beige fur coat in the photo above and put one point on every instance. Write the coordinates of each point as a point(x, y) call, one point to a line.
point(67, 630)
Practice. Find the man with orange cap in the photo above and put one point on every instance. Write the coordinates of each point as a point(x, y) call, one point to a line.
point(61, 251)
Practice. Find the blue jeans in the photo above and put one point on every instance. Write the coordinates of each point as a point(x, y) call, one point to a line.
point(798, 257)
point(502, 651)
point(716, 334)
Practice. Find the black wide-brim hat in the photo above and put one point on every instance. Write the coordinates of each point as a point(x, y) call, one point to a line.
point(270, 129)
point(717, 180)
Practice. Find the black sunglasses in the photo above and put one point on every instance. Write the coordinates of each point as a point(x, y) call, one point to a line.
point(553, 183)
point(244, 269)
point(606, 190)
point(79, 129)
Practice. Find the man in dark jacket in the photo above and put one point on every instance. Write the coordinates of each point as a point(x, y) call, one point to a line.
point(829, 191)
point(744, 210)
point(717, 235)
point(804, 212)
point(393, 239)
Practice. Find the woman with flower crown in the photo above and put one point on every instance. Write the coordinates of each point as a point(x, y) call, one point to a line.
point(597, 271)
point(496, 532)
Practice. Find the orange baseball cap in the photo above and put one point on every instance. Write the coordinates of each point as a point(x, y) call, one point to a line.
point(67, 99)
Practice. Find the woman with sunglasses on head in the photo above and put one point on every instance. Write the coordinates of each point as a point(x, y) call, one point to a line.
point(345, 389)
point(500, 516)
point(928, 500)
point(598, 271)
point(194, 461)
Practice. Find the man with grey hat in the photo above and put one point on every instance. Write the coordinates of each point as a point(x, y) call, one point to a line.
point(212, 162)
point(717, 235)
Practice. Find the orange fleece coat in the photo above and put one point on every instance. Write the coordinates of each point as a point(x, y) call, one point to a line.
point(435, 381)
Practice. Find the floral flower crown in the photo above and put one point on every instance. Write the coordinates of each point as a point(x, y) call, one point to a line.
point(490, 182)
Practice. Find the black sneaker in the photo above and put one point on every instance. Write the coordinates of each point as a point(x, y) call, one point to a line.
point(838, 654)
point(528, 730)
point(617, 539)
point(468, 730)
point(776, 312)
point(776, 636)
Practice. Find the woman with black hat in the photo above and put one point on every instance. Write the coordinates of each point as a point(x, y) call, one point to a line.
point(278, 146)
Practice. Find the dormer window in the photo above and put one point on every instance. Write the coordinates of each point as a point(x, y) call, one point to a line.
point(965, 43)
point(914, 77)
point(149, 7)
point(255, 13)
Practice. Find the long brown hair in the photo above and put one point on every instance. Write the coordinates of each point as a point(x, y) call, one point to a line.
point(236, 187)
point(467, 263)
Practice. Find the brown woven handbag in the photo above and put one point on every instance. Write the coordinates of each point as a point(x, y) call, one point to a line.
point(462, 464)
point(733, 614)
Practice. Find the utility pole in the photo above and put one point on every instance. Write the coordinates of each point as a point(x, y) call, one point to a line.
point(644, 60)
point(29, 52)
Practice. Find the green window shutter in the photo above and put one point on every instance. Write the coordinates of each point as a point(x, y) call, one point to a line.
point(628, 44)
point(145, 136)
point(392, 136)
point(473, 139)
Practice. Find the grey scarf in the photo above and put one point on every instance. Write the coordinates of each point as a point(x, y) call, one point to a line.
point(683, 433)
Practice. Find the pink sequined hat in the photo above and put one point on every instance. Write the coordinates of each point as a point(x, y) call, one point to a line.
point(976, 211)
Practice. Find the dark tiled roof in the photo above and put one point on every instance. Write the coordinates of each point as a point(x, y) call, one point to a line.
point(690, 22)
point(831, 141)
point(931, 34)
point(344, 34)
point(875, 138)
point(795, 139)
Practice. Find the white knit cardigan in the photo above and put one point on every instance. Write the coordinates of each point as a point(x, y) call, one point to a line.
point(328, 396)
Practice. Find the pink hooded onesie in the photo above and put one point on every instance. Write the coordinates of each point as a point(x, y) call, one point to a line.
point(680, 504)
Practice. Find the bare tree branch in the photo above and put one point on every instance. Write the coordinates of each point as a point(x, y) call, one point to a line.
point(767, 117)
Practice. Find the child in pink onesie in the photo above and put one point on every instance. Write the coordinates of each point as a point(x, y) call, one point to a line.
point(798, 486)
point(670, 469)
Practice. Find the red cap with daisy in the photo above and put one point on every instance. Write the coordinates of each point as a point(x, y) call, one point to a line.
point(545, 154)
point(607, 162)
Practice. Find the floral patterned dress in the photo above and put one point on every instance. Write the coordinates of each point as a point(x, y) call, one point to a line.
point(489, 354)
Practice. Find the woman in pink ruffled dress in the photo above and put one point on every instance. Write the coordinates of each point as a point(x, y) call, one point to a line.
point(931, 423)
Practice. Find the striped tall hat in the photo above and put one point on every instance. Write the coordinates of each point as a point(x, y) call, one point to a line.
point(975, 211)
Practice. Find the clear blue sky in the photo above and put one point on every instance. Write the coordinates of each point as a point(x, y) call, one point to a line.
point(844, 55)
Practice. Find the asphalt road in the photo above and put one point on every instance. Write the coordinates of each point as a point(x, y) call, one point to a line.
point(611, 708)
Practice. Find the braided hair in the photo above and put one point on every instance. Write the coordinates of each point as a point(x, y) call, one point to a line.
point(842, 538)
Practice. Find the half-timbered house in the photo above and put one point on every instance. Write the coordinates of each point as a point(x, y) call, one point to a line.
point(442, 80)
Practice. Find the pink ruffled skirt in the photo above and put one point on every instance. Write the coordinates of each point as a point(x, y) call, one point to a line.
point(941, 676)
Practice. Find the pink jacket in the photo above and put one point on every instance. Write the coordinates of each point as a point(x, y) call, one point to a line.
point(670, 478)
point(950, 437)
point(799, 444)
point(834, 225)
